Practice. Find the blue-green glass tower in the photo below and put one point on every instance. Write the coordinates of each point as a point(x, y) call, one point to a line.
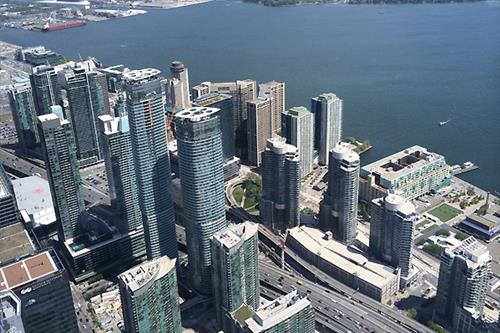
point(148, 135)
point(199, 143)
point(24, 114)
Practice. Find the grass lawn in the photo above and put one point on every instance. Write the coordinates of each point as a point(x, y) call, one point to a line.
point(249, 202)
point(422, 224)
point(238, 193)
point(445, 212)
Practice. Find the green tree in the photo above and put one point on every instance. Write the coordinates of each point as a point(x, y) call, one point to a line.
point(411, 313)
point(471, 191)
point(442, 232)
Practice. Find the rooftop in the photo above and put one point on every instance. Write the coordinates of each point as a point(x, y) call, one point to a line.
point(278, 145)
point(395, 202)
point(473, 251)
point(196, 114)
point(26, 270)
point(298, 111)
point(326, 97)
point(343, 256)
point(234, 233)
point(344, 153)
point(51, 120)
point(33, 197)
point(14, 242)
point(141, 75)
point(210, 98)
point(113, 125)
point(138, 276)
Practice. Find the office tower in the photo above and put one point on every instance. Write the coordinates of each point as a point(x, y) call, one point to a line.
point(259, 128)
point(120, 171)
point(464, 275)
point(224, 103)
point(279, 203)
point(199, 146)
point(291, 313)
point(8, 207)
point(150, 298)
point(327, 110)
point(298, 129)
point(180, 72)
point(46, 88)
point(235, 272)
point(339, 207)
point(86, 104)
point(174, 95)
point(24, 114)
point(391, 232)
point(148, 135)
point(241, 91)
point(275, 91)
point(61, 163)
point(39, 285)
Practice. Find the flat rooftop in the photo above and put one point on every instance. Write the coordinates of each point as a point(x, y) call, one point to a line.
point(196, 114)
point(343, 256)
point(141, 75)
point(210, 98)
point(473, 250)
point(401, 163)
point(26, 270)
point(14, 242)
point(138, 276)
point(234, 233)
point(33, 196)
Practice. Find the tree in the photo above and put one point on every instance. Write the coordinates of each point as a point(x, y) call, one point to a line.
point(411, 313)
point(463, 204)
point(435, 327)
point(471, 191)
point(442, 232)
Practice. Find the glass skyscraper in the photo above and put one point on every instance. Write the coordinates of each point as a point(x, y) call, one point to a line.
point(46, 88)
point(24, 114)
point(61, 163)
point(146, 114)
point(8, 206)
point(199, 143)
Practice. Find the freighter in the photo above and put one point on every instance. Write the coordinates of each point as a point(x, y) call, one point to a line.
point(61, 26)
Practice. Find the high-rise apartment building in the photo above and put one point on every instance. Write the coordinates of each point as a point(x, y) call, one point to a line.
point(180, 72)
point(8, 207)
point(235, 272)
point(241, 91)
point(224, 103)
point(23, 110)
point(86, 104)
point(339, 207)
point(279, 204)
point(464, 275)
point(297, 126)
point(61, 163)
point(199, 144)
point(327, 110)
point(146, 114)
point(275, 92)
point(150, 297)
point(259, 128)
point(46, 88)
point(391, 233)
point(40, 287)
point(120, 171)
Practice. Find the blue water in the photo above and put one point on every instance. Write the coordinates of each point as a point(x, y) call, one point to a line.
point(400, 68)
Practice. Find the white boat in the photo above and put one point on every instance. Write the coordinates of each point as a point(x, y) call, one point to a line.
point(442, 123)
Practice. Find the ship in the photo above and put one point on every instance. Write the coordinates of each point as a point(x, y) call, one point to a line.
point(442, 123)
point(62, 26)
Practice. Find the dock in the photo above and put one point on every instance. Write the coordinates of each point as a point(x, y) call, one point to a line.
point(464, 170)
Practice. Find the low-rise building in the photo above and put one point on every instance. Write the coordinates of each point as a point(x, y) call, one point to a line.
point(344, 263)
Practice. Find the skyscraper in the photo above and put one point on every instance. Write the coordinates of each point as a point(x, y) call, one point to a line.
point(298, 129)
point(180, 72)
point(40, 285)
point(339, 207)
point(24, 114)
point(391, 232)
point(235, 253)
point(61, 163)
point(150, 298)
point(275, 91)
point(8, 206)
point(224, 103)
point(120, 171)
point(259, 128)
point(464, 275)
point(46, 88)
point(151, 160)
point(279, 203)
point(86, 104)
point(327, 110)
point(199, 143)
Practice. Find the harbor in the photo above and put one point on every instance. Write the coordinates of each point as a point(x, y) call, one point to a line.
point(466, 167)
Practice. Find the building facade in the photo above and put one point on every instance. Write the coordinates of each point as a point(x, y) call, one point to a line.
point(235, 273)
point(180, 72)
point(297, 126)
point(23, 110)
point(150, 298)
point(339, 207)
point(120, 172)
point(279, 203)
point(8, 207)
point(327, 110)
point(464, 275)
point(61, 163)
point(148, 134)
point(392, 227)
point(46, 88)
point(199, 143)
point(259, 128)
point(275, 92)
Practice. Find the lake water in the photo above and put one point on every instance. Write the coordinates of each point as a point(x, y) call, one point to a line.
point(401, 69)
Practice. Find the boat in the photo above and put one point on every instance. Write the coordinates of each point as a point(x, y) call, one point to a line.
point(442, 123)
point(62, 26)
